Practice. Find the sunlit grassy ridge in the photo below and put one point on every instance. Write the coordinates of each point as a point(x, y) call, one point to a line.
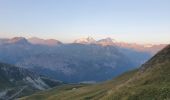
point(150, 82)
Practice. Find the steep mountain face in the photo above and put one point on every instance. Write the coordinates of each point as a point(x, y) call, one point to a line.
point(16, 82)
point(48, 42)
point(150, 82)
point(72, 62)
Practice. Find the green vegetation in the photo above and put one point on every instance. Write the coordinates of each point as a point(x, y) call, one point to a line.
point(150, 82)
point(80, 91)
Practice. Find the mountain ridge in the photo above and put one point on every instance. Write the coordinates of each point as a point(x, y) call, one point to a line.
point(48, 42)
point(152, 48)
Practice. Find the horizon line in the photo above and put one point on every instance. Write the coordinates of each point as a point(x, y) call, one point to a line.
point(118, 41)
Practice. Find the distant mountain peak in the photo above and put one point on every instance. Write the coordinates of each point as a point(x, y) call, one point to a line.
point(88, 40)
point(49, 42)
point(18, 40)
point(106, 41)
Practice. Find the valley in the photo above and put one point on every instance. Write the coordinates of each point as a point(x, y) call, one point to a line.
point(150, 81)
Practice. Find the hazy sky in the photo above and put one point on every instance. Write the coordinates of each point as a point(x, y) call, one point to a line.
point(143, 21)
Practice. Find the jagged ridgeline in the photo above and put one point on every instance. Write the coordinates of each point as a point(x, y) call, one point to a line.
point(86, 60)
point(16, 82)
point(150, 82)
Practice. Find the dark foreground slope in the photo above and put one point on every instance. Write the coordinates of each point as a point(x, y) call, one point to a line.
point(16, 82)
point(150, 82)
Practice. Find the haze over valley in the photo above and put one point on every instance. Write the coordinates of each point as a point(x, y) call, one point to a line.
point(84, 60)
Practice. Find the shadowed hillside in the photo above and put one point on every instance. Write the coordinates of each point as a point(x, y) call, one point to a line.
point(150, 82)
point(16, 82)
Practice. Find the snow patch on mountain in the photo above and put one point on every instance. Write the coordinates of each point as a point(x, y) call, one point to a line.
point(88, 40)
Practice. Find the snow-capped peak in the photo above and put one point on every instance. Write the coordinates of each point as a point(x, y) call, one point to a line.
point(107, 41)
point(88, 40)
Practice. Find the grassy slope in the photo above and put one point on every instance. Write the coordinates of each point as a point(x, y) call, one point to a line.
point(154, 85)
point(80, 92)
point(150, 82)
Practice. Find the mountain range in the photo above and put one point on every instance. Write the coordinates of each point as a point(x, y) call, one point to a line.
point(112, 42)
point(85, 60)
point(89, 40)
point(149, 82)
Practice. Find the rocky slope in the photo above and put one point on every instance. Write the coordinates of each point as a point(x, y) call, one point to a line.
point(16, 82)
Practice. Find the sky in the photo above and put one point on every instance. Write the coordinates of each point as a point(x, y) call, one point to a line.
point(139, 21)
